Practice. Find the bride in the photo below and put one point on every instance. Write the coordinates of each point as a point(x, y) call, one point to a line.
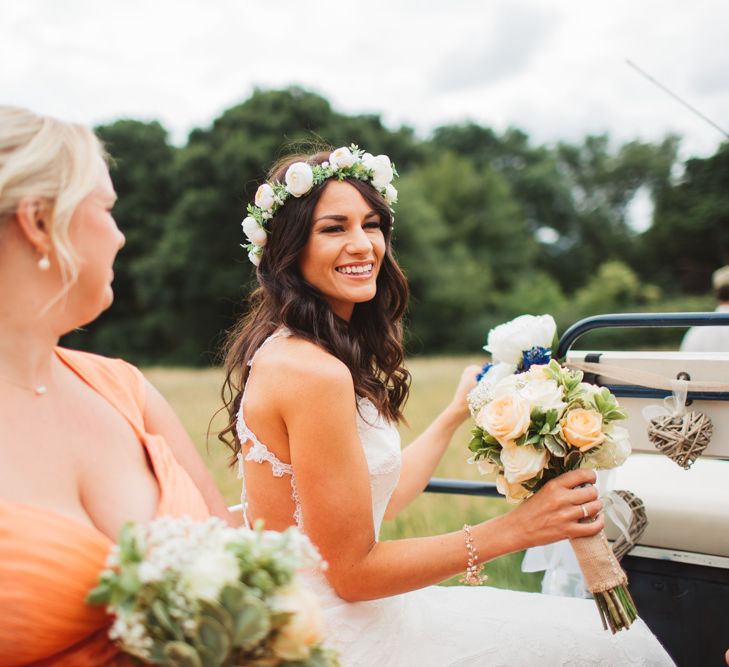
point(316, 386)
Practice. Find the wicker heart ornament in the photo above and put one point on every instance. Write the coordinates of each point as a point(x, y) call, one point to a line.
point(682, 438)
point(638, 524)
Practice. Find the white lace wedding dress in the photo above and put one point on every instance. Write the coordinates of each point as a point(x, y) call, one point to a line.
point(454, 626)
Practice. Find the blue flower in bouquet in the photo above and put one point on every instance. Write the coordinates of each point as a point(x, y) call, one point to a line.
point(535, 356)
point(509, 342)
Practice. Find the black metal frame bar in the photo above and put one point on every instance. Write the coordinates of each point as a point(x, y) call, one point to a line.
point(643, 320)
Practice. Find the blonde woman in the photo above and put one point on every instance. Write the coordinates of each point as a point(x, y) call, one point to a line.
point(86, 443)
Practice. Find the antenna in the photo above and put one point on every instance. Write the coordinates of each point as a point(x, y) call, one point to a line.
point(676, 97)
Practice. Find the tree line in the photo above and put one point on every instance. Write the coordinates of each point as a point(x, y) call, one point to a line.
point(488, 226)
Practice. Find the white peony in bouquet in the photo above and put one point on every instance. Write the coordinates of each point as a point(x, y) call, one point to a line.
point(200, 593)
point(537, 421)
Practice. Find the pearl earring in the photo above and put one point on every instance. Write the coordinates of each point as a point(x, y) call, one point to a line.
point(44, 263)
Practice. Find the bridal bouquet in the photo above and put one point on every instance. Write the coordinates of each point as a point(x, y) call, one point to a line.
point(536, 420)
point(200, 593)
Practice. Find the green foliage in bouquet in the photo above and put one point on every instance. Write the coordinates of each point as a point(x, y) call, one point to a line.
point(201, 594)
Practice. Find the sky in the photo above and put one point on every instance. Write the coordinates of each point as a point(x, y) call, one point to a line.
point(553, 68)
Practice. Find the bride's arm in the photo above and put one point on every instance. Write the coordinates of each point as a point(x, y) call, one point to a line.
point(421, 457)
point(317, 405)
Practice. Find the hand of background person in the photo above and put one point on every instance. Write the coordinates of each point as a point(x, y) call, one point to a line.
point(554, 513)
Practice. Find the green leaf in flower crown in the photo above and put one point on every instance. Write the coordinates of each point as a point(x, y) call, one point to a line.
point(179, 654)
point(555, 445)
point(261, 580)
point(158, 612)
point(212, 641)
point(251, 624)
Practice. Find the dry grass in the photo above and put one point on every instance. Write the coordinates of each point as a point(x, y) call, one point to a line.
point(194, 394)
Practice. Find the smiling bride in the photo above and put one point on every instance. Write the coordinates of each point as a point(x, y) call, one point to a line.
point(316, 387)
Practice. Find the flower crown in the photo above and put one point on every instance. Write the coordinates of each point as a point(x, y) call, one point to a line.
point(301, 177)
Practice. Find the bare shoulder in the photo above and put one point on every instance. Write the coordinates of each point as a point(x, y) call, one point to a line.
point(299, 369)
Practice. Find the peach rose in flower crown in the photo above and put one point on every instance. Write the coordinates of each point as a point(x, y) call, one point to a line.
point(505, 418)
point(582, 428)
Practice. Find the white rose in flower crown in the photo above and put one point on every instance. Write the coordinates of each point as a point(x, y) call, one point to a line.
point(505, 418)
point(613, 451)
point(304, 629)
point(265, 197)
point(209, 572)
point(544, 394)
point(390, 194)
point(508, 341)
point(254, 257)
point(381, 169)
point(299, 179)
point(342, 158)
point(255, 233)
point(514, 493)
point(521, 463)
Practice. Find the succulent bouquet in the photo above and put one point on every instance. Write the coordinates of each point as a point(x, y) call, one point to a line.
point(536, 420)
point(202, 594)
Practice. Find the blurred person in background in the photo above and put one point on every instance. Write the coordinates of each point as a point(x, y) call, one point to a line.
point(712, 339)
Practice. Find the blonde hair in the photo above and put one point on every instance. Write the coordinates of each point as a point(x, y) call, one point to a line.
point(53, 160)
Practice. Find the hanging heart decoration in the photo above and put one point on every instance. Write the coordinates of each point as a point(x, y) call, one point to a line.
point(638, 521)
point(682, 438)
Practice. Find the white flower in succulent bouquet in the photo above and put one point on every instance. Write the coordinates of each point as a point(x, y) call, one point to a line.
point(205, 577)
point(508, 342)
point(299, 179)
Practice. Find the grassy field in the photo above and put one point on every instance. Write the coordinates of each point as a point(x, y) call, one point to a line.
point(194, 394)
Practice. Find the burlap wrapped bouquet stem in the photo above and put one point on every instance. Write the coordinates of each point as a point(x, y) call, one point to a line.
point(606, 581)
point(599, 566)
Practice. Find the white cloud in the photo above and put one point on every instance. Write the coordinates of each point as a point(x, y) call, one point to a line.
point(555, 68)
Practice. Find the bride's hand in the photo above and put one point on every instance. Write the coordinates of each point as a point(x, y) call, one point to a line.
point(458, 405)
point(558, 510)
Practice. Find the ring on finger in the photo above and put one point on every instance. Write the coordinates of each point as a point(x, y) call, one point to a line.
point(584, 511)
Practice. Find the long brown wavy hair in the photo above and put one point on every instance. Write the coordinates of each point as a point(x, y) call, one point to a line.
point(370, 344)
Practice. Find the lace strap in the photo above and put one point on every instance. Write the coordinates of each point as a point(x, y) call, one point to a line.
point(283, 332)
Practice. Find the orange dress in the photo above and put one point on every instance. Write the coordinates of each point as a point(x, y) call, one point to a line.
point(50, 561)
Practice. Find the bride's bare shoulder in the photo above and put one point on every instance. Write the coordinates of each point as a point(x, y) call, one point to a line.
point(297, 365)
